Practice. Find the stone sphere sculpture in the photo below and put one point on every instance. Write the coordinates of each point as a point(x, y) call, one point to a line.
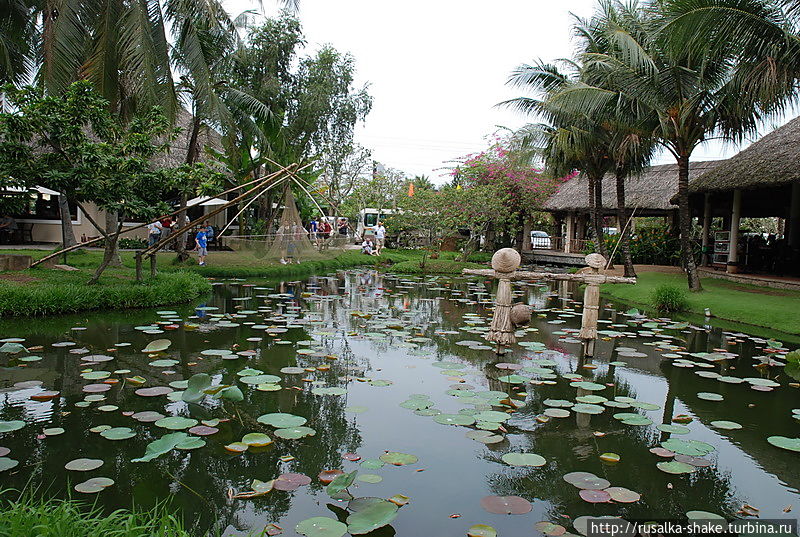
point(520, 314)
point(595, 261)
point(506, 260)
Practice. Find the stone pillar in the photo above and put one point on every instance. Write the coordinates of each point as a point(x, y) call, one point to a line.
point(733, 245)
point(706, 231)
point(570, 232)
point(793, 235)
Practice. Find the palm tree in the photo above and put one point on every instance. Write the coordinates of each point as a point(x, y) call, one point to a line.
point(570, 139)
point(692, 93)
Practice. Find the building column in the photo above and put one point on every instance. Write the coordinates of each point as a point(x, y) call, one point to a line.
point(706, 230)
point(733, 245)
point(794, 216)
point(569, 233)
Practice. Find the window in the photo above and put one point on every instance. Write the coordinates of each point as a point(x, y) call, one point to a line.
point(39, 206)
point(370, 219)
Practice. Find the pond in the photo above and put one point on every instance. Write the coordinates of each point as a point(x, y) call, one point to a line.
point(389, 376)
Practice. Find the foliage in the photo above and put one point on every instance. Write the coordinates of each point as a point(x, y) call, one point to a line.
point(74, 144)
point(69, 518)
point(383, 189)
point(57, 292)
point(650, 245)
point(669, 299)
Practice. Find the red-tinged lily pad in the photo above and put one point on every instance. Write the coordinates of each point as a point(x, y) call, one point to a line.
point(548, 528)
point(326, 476)
point(155, 391)
point(94, 485)
point(594, 496)
point(662, 452)
point(623, 495)
point(203, 430)
point(352, 457)
point(4, 451)
point(506, 505)
point(45, 396)
point(291, 481)
point(481, 530)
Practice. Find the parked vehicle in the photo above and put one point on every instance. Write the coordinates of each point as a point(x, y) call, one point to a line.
point(368, 220)
point(540, 239)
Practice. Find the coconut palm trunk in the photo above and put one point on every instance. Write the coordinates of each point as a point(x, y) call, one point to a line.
point(625, 232)
point(685, 224)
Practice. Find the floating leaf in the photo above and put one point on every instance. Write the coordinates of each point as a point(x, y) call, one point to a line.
point(398, 459)
point(7, 464)
point(256, 439)
point(321, 527)
point(727, 425)
point(371, 517)
point(340, 483)
point(157, 345)
point(454, 419)
point(163, 445)
point(595, 496)
point(609, 457)
point(523, 459)
point(481, 530)
point(623, 495)
point(586, 480)
point(291, 481)
point(293, 433)
point(791, 444)
point(506, 505)
point(230, 393)
point(118, 433)
point(675, 467)
point(195, 386)
point(281, 420)
point(707, 396)
point(9, 426)
point(176, 423)
point(94, 485)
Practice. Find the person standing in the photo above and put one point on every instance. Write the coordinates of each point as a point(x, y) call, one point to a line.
point(380, 238)
point(201, 242)
point(166, 229)
point(313, 227)
point(153, 232)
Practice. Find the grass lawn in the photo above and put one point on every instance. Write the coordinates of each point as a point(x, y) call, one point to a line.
point(775, 309)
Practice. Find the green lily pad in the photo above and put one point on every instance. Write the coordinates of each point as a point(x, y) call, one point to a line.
point(163, 363)
point(481, 530)
point(370, 478)
point(281, 420)
point(454, 419)
point(373, 516)
point(190, 443)
point(118, 433)
point(675, 467)
point(320, 526)
point(708, 396)
point(13, 425)
point(157, 345)
point(7, 464)
point(523, 459)
point(727, 425)
point(791, 444)
point(673, 429)
point(176, 423)
point(340, 483)
point(94, 485)
point(586, 408)
point(195, 386)
point(294, 433)
point(398, 459)
point(256, 439)
point(163, 445)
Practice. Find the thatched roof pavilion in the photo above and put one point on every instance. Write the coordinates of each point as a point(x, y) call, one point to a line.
point(649, 192)
point(762, 180)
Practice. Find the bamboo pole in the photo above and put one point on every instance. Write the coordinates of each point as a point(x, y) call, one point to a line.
point(139, 226)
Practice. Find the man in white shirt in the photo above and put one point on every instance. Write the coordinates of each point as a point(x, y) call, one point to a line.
point(153, 233)
point(380, 237)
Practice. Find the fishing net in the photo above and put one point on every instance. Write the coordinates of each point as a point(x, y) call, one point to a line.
point(287, 239)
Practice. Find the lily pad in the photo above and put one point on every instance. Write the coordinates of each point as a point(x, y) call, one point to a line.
point(623, 495)
point(291, 481)
point(7, 464)
point(454, 419)
point(163, 445)
point(506, 505)
point(256, 439)
point(157, 345)
point(726, 425)
point(293, 433)
point(176, 423)
point(320, 526)
point(9, 426)
point(94, 485)
point(398, 459)
point(675, 467)
point(481, 530)
point(594, 496)
point(83, 465)
point(281, 420)
point(340, 483)
point(118, 433)
point(791, 444)
point(373, 516)
point(708, 396)
point(523, 459)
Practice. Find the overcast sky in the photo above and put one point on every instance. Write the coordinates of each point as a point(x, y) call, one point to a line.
point(437, 68)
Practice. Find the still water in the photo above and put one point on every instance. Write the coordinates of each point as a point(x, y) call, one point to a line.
point(415, 377)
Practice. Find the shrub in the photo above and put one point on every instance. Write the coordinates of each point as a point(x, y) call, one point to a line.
point(669, 299)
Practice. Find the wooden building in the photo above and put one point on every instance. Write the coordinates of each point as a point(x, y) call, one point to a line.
point(762, 180)
point(647, 194)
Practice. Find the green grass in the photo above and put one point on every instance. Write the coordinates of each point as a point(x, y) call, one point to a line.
point(68, 518)
point(41, 291)
point(759, 306)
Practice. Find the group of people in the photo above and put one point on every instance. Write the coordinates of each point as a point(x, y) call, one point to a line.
point(321, 230)
point(374, 248)
point(162, 229)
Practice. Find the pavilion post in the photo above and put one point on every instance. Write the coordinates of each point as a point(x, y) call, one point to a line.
point(733, 245)
point(706, 230)
point(569, 233)
point(794, 216)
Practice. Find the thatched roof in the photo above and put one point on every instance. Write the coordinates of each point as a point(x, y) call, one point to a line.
point(176, 155)
point(650, 190)
point(771, 161)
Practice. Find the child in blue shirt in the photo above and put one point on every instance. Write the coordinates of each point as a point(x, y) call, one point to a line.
point(201, 240)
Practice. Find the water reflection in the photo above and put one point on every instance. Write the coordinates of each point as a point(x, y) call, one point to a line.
point(379, 336)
